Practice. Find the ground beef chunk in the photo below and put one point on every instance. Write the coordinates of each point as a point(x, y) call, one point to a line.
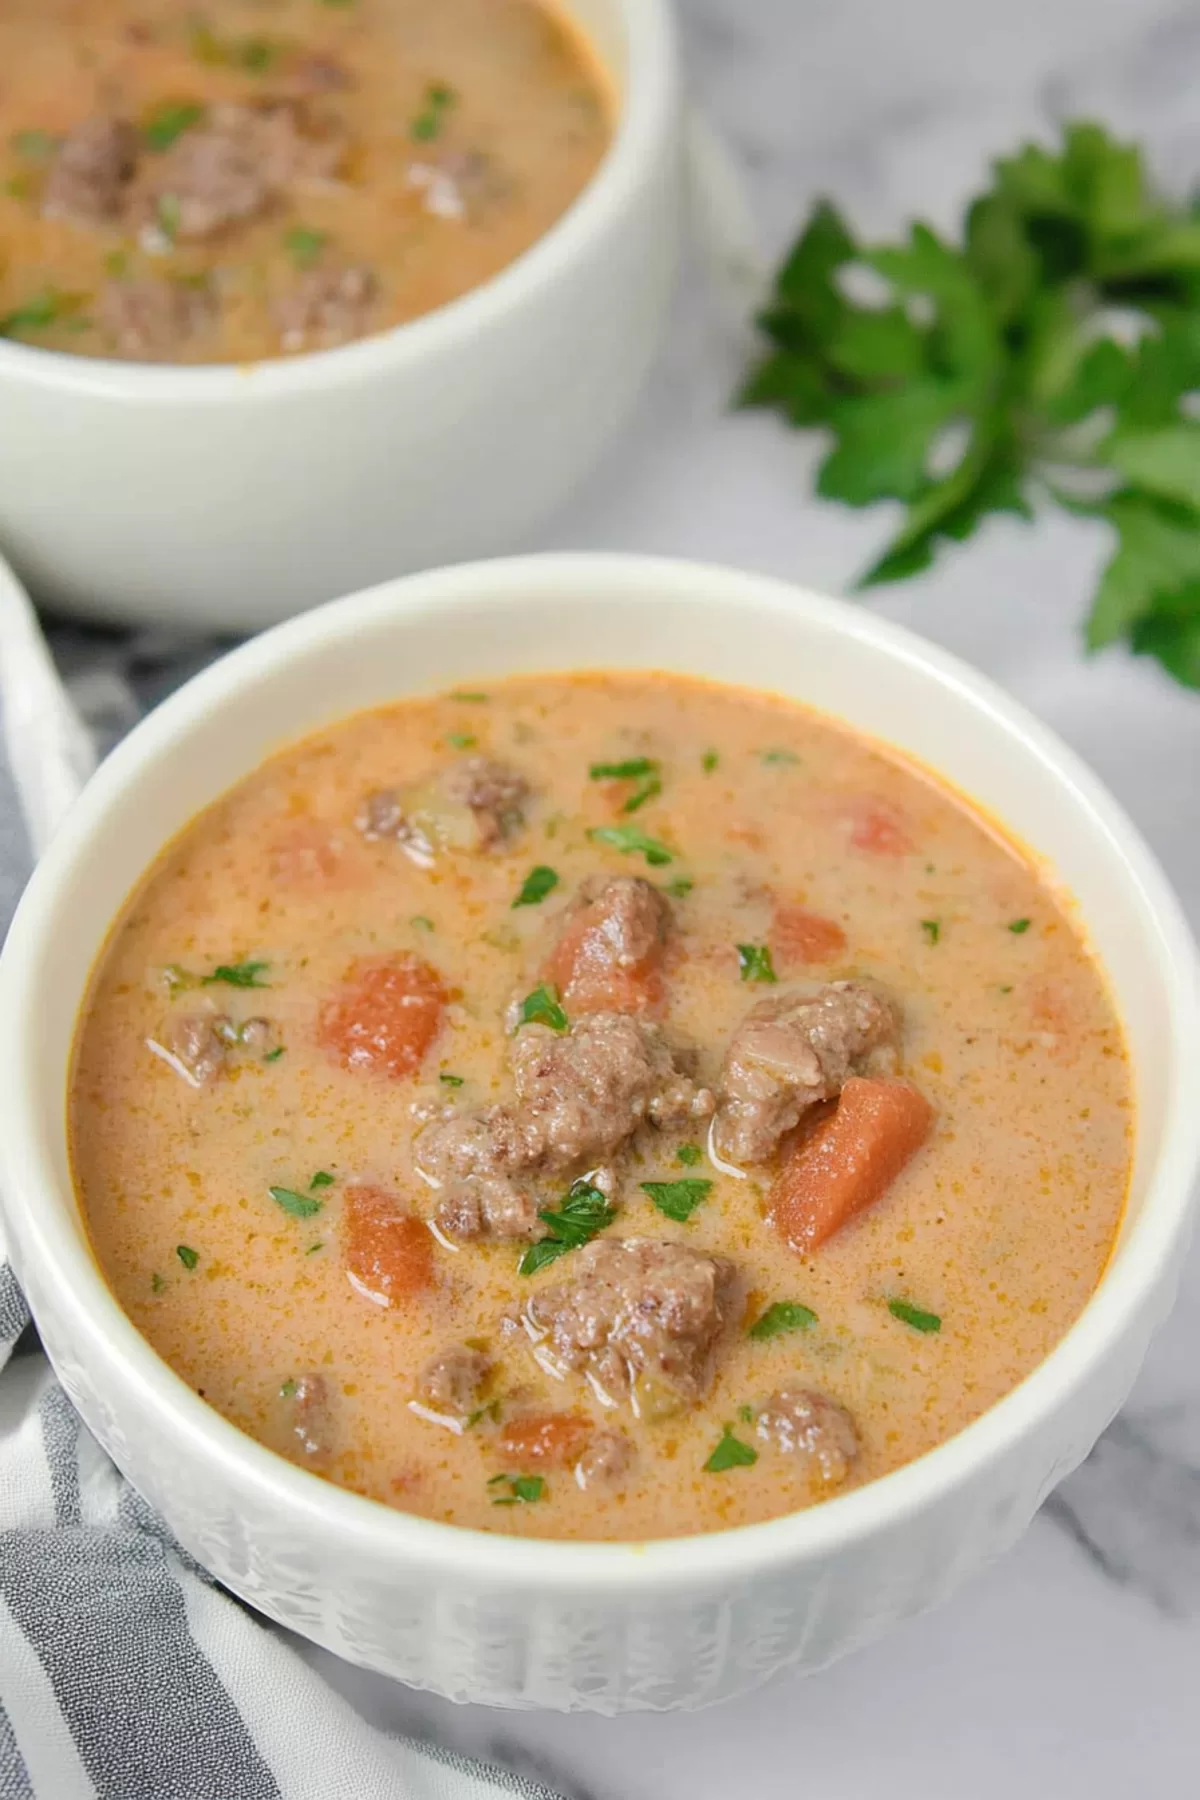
point(489, 1206)
point(609, 1456)
point(460, 185)
point(792, 1051)
point(310, 1417)
point(451, 1383)
point(195, 1045)
point(91, 173)
point(327, 306)
point(232, 167)
point(474, 805)
point(639, 1318)
point(812, 1427)
point(609, 953)
point(153, 319)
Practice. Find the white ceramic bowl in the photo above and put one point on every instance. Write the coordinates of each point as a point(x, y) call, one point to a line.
point(233, 497)
point(602, 1626)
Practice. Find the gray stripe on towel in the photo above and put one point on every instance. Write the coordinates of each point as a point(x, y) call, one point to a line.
point(14, 1314)
point(149, 1718)
point(14, 1776)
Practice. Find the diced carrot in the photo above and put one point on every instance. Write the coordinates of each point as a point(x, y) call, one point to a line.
point(848, 1160)
point(799, 936)
point(554, 1439)
point(387, 1252)
point(879, 828)
point(308, 853)
point(385, 1016)
point(583, 968)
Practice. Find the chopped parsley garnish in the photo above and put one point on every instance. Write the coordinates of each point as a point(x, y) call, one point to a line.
point(429, 121)
point(784, 1315)
point(253, 55)
point(451, 1080)
point(913, 1315)
point(932, 929)
point(187, 1256)
point(313, 1248)
point(680, 888)
point(645, 790)
point(421, 922)
point(322, 1178)
point(754, 961)
point(490, 1411)
point(117, 262)
point(49, 307)
point(730, 1453)
point(632, 842)
point(689, 1155)
point(1019, 927)
point(469, 698)
point(709, 761)
point(304, 245)
point(537, 884)
point(167, 212)
point(239, 975)
point(519, 1489)
point(166, 123)
point(35, 146)
point(746, 1414)
point(461, 740)
point(287, 1389)
point(542, 1008)
point(629, 770)
point(678, 1200)
point(777, 757)
point(300, 1206)
point(274, 1055)
point(584, 1213)
point(1007, 988)
point(157, 1284)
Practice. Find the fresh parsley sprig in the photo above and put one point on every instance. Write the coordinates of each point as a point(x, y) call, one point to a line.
point(1001, 373)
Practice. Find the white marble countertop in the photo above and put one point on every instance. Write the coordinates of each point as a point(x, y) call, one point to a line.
point(1072, 1668)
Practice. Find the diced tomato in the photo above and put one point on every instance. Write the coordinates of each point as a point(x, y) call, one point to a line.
point(387, 1252)
point(848, 1160)
point(583, 968)
point(554, 1439)
point(385, 1016)
point(799, 936)
point(878, 827)
point(307, 853)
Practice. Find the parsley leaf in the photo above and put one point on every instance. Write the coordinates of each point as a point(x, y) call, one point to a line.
point(187, 1256)
point(304, 245)
point(730, 1453)
point(35, 146)
point(520, 1490)
point(542, 1008)
point(161, 127)
point(300, 1206)
point(321, 1179)
point(680, 888)
point(537, 884)
point(157, 1284)
point(429, 121)
point(999, 367)
point(633, 842)
point(585, 1212)
point(689, 1155)
point(1019, 927)
point(913, 1315)
point(48, 308)
point(784, 1315)
point(778, 757)
point(678, 1200)
point(239, 975)
point(454, 1081)
point(629, 770)
point(274, 1055)
point(754, 961)
point(932, 929)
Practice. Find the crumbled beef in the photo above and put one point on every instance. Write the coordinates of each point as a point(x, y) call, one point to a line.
point(327, 306)
point(313, 75)
point(609, 1456)
point(153, 319)
point(91, 173)
point(792, 1051)
point(579, 1097)
point(451, 1383)
point(233, 166)
point(609, 952)
point(460, 184)
point(639, 1318)
point(474, 805)
point(804, 1424)
point(310, 1416)
point(195, 1045)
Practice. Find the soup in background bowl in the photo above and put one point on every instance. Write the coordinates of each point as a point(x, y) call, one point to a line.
point(241, 181)
point(699, 1606)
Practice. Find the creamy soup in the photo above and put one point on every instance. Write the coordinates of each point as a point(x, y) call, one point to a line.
point(251, 178)
point(605, 1106)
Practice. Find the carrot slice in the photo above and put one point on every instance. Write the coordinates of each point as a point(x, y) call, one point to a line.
point(878, 828)
point(385, 1016)
point(387, 1252)
point(799, 936)
point(582, 968)
point(848, 1160)
point(555, 1439)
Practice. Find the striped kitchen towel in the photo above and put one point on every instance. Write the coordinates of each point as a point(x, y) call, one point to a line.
point(126, 1673)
